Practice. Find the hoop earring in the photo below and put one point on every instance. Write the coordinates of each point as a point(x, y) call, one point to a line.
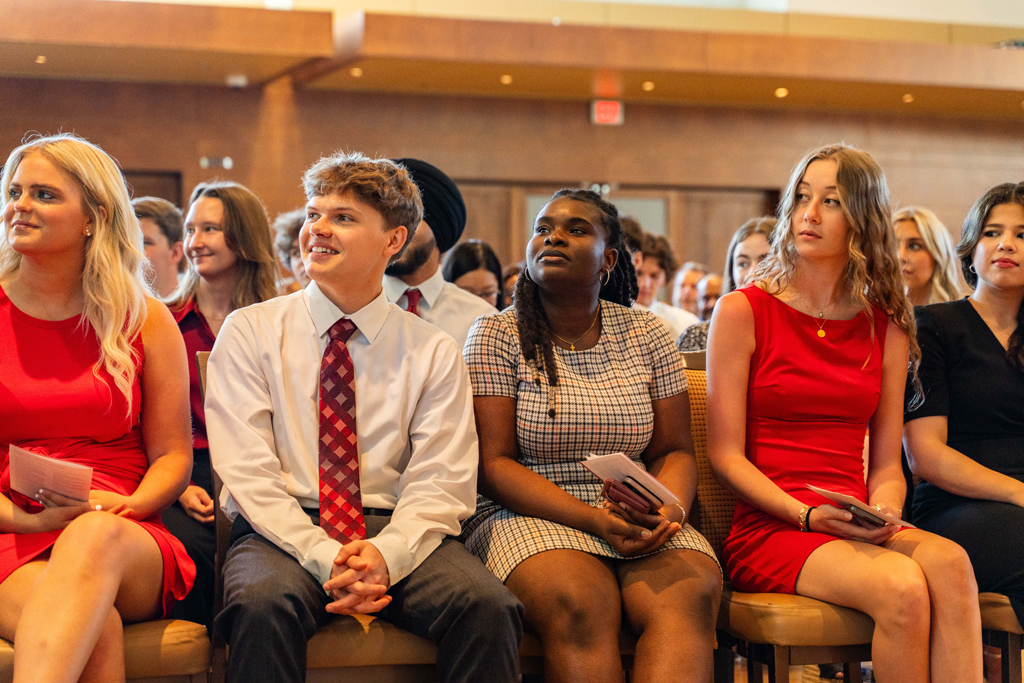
point(607, 279)
point(971, 268)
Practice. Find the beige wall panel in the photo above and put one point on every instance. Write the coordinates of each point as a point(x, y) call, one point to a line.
point(488, 211)
point(709, 220)
point(274, 134)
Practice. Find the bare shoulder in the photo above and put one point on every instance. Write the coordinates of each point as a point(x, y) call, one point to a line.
point(159, 330)
point(733, 309)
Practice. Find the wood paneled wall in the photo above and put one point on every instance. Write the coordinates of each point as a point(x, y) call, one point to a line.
point(274, 133)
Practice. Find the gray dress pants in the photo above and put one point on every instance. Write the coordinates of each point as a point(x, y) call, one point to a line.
point(272, 607)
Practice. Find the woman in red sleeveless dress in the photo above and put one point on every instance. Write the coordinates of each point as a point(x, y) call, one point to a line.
point(801, 364)
point(93, 372)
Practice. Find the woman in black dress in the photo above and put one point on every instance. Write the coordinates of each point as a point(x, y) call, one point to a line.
point(967, 439)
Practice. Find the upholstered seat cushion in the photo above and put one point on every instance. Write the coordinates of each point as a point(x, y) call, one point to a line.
point(791, 620)
point(151, 649)
point(367, 641)
point(997, 614)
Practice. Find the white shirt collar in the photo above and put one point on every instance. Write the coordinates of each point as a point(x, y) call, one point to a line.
point(430, 289)
point(368, 319)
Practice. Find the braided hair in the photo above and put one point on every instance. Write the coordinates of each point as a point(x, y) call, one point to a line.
point(534, 330)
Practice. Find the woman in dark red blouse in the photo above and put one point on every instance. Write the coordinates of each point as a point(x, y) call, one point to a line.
point(230, 265)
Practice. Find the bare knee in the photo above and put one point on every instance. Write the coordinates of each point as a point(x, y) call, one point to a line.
point(903, 600)
point(95, 536)
point(950, 573)
point(580, 615)
point(692, 602)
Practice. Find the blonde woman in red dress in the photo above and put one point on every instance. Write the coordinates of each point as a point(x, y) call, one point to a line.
point(93, 372)
point(800, 363)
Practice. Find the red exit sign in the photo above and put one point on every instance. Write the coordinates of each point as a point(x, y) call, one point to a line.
point(607, 112)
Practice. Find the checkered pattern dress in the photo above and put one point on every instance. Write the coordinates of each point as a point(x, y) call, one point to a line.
point(603, 396)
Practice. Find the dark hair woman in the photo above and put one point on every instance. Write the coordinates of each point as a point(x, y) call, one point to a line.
point(966, 441)
point(473, 266)
point(570, 370)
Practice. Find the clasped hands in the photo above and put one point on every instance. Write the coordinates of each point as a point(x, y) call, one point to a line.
point(828, 519)
point(60, 510)
point(359, 580)
point(631, 533)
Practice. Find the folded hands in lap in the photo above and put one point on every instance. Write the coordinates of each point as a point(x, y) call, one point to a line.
point(61, 510)
point(359, 580)
point(630, 532)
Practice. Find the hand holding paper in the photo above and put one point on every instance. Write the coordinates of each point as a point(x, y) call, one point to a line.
point(32, 473)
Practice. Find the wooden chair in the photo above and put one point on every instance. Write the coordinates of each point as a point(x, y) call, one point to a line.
point(1000, 628)
point(769, 629)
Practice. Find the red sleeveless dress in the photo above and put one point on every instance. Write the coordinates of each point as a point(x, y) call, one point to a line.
point(51, 403)
point(809, 400)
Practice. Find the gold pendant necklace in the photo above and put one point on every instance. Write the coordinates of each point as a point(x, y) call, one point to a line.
point(821, 325)
point(572, 344)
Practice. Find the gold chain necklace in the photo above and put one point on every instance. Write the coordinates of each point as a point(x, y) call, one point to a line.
point(572, 344)
point(821, 324)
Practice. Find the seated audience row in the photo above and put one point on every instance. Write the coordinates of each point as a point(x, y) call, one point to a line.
point(353, 438)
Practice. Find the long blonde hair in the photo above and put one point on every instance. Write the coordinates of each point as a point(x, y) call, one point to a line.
point(944, 282)
point(113, 283)
point(873, 275)
point(247, 234)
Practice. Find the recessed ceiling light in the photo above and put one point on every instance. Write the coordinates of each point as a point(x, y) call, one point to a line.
point(355, 72)
point(506, 79)
point(648, 86)
point(556, 21)
point(781, 92)
point(236, 80)
point(41, 59)
point(908, 98)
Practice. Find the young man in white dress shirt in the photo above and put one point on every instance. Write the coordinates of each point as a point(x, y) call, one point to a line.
point(656, 268)
point(343, 431)
point(414, 280)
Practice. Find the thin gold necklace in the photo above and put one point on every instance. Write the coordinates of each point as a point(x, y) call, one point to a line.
point(821, 324)
point(572, 344)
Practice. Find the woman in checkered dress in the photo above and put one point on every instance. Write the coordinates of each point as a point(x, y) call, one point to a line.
point(566, 372)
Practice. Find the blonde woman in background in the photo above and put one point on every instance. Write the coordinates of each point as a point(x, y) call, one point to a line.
point(927, 256)
point(231, 265)
point(92, 372)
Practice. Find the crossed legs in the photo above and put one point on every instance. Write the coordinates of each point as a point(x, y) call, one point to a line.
point(920, 590)
point(65, 612)
point(574, 602)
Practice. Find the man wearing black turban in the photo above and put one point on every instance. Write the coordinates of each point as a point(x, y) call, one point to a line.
point(414, 281)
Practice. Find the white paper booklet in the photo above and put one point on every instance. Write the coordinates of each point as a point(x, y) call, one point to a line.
point(31, 472)
point(617, 466)
point(847, 502)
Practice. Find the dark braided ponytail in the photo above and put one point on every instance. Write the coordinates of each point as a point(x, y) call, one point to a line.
point(620, 288)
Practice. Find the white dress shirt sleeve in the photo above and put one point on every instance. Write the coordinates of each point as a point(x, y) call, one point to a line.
point(239, 424)
point(437, 489)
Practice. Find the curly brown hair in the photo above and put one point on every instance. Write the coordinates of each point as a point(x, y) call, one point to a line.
point(380, 183)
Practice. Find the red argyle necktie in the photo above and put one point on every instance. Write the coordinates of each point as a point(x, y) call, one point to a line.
point(341, 505)
point(412, 301)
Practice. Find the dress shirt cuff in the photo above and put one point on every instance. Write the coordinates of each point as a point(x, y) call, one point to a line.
point(320, 560)
point(392, 545)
